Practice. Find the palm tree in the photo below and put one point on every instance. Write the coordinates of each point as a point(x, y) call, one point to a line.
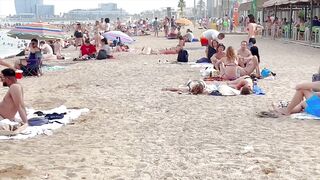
point(181, 5)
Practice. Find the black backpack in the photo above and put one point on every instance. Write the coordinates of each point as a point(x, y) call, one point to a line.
point(102, 54)
point(183, 56)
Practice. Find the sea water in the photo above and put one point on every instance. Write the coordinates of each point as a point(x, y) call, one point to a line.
point(10, 46)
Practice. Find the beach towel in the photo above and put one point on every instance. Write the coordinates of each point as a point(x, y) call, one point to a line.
point(46, 128)
point(222, 90)
point(313, 105)
point(304, 116)
point(257, 90)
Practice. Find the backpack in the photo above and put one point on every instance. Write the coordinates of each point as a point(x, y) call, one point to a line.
point(102, 54)
point(316, 77)
point(183, 56)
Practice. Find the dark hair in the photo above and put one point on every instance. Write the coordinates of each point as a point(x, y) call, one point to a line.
point(104, 40)
point(180, 37)
point(34, 40)
point(245, 90)
point(188, 30)
point(221, 35)
point(255, 52)
point(244, 42)
point(221, 45)
point(87, 41)
point(42, 42)
point(107, 20)
point(251, 18)
point(8, 72)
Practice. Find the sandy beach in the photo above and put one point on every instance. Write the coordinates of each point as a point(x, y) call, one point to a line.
point(136, 131)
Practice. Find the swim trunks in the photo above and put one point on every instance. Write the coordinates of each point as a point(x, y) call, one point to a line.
point(313, 105)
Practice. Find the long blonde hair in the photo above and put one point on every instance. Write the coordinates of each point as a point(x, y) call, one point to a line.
point(231, 54)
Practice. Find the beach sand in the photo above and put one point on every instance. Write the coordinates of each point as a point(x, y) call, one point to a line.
point(136, 131)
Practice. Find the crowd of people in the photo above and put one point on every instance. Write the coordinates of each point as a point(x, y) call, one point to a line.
point(236, 69)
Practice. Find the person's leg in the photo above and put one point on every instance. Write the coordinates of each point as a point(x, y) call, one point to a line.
point(297, 103)
point(252, 65)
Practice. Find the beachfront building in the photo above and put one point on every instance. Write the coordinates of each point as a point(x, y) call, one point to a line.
point(33, 9)
point(110, 10)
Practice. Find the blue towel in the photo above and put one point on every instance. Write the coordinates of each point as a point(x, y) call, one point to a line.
point(257, 90)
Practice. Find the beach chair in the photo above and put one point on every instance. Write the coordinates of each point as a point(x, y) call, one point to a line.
point(33, 67)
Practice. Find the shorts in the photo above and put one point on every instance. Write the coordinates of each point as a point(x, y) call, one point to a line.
point(313, 105)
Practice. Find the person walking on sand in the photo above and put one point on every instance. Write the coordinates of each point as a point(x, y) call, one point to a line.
point(253, 28)
point(13, 101)
point(156, 27)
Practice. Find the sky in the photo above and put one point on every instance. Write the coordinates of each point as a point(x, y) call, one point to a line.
point(131, 6)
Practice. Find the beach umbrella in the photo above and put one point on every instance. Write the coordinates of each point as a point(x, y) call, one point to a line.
point(113, 35)
point(183, 22)
point(39, 30)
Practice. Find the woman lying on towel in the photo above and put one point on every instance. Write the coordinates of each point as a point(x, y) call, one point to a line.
point(193, 87)
point(304, 100)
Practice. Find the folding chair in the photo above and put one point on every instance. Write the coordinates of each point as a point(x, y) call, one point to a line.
point(33, 67)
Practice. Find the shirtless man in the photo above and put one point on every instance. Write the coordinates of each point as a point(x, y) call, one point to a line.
point(246, 61)
point(13, 100)
point(252, 30)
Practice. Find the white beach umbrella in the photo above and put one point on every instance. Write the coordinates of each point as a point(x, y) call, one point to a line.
point(113, 35)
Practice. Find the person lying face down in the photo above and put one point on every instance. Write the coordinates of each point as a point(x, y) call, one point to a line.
point(244, 84)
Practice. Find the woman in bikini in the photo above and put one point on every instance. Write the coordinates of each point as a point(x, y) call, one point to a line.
point(216, 58)
point(228, 65)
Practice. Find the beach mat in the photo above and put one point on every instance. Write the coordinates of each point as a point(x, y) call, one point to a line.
point(32, 131)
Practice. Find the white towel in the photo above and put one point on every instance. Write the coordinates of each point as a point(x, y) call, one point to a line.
point(32, 131)
point(304, 116)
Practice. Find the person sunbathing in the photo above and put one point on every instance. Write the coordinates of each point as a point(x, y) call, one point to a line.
point(194, 87)
point(244, 84)
point(216, 58)
point(13, 101)
point(228, 65)
point(247, 61)
point(303, 100)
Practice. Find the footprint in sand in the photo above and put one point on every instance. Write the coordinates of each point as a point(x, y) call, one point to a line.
point(15, 172)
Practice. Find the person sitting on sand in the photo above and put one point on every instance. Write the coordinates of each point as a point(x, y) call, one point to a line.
point(299, 104)
point(228, 65)
point(106, 48)
point(247, 61)
point(58, 48)
point(211, 49)
point(13, 101)
point(218, 56)
point(87, 50)
point(47, 51)
point(194, 87)
point(189, 37)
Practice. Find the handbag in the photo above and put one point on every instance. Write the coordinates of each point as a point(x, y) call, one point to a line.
point(316, 77)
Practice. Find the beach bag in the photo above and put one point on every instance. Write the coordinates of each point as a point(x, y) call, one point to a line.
point(183, 56)
point(316, 77)
point(102, 54)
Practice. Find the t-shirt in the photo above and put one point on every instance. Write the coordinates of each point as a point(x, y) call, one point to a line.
point(46, 49)
point(108, 49)
point(190, 36)
point(88, 49)
point(211, 34)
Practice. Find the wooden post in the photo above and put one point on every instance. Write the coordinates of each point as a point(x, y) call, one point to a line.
point(311, 17)
point(290, 25)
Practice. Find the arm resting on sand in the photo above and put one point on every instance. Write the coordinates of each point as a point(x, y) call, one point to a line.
point(308, 86)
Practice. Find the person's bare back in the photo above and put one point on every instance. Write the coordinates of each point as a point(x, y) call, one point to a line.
point(11, 102)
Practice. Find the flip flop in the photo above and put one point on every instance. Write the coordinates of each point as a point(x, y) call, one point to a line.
point(267, 114)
